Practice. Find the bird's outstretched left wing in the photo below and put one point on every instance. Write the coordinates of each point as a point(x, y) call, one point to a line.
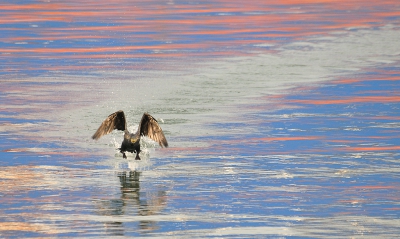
point(113, 121)
point(149, 127)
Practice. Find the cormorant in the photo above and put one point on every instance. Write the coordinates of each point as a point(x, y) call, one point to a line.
point(148, 127)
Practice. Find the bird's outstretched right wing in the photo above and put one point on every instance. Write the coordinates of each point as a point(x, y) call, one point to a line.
point(149, 127)
point(113, 121)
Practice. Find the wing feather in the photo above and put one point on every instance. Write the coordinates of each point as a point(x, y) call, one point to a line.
point(113, 121)
point(149, 127)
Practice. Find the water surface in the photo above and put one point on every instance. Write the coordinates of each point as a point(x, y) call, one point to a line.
point(282, 119)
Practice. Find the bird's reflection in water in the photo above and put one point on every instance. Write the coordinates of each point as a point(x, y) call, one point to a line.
point(134, 201)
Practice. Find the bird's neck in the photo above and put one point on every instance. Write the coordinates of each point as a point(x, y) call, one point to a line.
point(126, 134)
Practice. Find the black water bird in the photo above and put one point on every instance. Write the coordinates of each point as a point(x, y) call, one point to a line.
point(148, 126)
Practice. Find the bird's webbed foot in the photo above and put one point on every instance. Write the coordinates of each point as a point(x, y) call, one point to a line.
point(137, 156)
point(123, 155)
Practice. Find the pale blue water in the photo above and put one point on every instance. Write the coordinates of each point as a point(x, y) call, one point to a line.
point(295, 137)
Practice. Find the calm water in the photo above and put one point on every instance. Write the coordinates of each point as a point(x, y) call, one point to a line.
point(283, 119)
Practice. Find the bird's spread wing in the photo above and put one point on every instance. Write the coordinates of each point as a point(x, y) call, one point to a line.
point(149, 127)
point(113, 121)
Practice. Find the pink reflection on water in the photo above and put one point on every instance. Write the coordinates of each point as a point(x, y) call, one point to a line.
point(103, 30)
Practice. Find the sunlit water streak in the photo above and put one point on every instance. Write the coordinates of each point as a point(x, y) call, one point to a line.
point(260, 144)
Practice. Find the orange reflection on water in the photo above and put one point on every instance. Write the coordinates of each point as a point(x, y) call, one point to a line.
point(372, 148)
point(376, 187)
point(18, 178)
point(352, 100)
point(290, 138)
point(27, 227)
point(47, 151)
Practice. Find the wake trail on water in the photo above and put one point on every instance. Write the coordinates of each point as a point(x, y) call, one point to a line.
point(147, 146)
